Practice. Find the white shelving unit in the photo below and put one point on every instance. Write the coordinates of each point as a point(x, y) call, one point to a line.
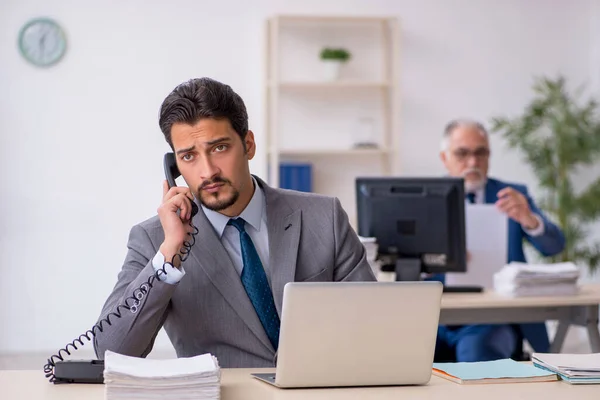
point(331, 152)
point(330, 85)
point(312, 119)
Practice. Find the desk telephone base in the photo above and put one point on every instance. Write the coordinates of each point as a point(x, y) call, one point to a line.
point(79, 371)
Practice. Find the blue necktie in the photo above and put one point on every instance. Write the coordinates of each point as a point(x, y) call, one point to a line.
point(471, 198)
point(255, 282)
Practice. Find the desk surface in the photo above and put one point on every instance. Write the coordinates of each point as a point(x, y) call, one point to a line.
point(589, 294)
point(238, 384)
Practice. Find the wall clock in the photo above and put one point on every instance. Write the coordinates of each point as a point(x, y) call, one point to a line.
point(42, 42)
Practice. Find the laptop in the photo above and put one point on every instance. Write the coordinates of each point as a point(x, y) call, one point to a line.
point(336, 334)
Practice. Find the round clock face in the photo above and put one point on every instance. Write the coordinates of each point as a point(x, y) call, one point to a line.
point(42, 42)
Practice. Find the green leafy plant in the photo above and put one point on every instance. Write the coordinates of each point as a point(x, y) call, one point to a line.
point(337, 54)
point(559, 135)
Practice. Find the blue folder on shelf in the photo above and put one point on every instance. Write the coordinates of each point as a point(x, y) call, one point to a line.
point(295, 176)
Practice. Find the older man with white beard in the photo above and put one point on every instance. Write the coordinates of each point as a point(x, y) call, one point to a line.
point(466, 153)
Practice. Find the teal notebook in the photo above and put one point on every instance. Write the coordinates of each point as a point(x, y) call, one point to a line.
point(499, 371)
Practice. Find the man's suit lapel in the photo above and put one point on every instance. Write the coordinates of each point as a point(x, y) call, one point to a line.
point(210, 253)
point(284, 225)
point(491, 191)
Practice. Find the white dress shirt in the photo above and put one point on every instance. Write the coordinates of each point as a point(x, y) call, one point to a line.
point(538, 231)
point(255, 215)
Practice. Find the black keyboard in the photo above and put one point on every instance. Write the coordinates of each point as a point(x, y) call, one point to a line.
point(463, 289)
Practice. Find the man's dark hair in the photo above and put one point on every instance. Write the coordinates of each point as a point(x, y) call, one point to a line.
point(201, 98)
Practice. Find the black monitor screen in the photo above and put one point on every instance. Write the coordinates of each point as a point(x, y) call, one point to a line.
point(415, 218)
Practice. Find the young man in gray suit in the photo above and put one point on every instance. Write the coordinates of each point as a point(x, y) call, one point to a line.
point(226, 297)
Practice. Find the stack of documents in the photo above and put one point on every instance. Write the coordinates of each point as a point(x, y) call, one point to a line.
point(127, 377)
point(573, 368)
point(498, 371)
point(521, 279)
point(371, 247)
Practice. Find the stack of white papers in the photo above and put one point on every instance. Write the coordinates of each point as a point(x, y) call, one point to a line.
point(573, 368)
point(521, 279)
point(371, 247)
point(127, 377)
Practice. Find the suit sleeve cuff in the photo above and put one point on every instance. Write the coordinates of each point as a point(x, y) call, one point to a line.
point(173, 275)
point(537, 231)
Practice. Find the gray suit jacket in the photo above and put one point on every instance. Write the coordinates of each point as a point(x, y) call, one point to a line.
point(208, 311)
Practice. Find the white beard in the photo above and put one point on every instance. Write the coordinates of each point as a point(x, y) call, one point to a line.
point(474, 186)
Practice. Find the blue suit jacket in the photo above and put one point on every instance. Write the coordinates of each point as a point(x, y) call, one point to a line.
point(551, 242)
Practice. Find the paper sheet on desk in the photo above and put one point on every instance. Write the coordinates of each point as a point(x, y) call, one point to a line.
point(204, 365)
point(573, 368)
point(127, 377)
point(487, 243)
point(520, 279)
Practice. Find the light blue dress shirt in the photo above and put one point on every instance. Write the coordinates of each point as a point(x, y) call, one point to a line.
point(255, 215)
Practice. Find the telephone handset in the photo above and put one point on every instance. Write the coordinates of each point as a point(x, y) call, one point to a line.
point(171, 170)
point(57, 370)
point(172, 173)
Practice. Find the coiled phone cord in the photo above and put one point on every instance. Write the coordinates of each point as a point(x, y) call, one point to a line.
point(131, 304)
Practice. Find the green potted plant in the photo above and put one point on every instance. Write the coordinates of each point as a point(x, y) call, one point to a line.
point(333, 59)
point(559, 137)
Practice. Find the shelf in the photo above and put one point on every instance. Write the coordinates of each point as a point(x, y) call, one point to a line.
point(298, 94)
point(330, 85)
point(332, 152)
point(334, 18)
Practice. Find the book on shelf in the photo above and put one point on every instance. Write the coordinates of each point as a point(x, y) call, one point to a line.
point(295, 176)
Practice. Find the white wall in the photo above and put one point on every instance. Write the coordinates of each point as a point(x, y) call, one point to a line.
point(80, 153)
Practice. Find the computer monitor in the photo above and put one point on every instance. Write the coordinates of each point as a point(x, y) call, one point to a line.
point(419, 223)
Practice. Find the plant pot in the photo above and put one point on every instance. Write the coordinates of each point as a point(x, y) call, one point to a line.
point(331, 69)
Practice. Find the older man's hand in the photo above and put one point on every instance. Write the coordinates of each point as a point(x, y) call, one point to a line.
point(514, 204)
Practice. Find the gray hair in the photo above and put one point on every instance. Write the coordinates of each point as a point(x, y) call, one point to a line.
point(459, 123)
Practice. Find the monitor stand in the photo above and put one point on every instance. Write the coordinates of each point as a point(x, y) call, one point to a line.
point(408, 269)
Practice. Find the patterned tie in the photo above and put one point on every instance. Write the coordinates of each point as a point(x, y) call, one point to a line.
point(255, 282)
point(471, 198)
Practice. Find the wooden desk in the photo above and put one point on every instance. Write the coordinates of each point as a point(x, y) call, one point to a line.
point(490, 307)
point(238, 384)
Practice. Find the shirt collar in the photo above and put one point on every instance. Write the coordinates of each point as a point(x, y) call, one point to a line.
point(480, 195)
point(252, 214)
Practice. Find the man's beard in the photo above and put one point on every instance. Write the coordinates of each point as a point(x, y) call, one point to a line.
point(473, 186)
point(219, 204)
